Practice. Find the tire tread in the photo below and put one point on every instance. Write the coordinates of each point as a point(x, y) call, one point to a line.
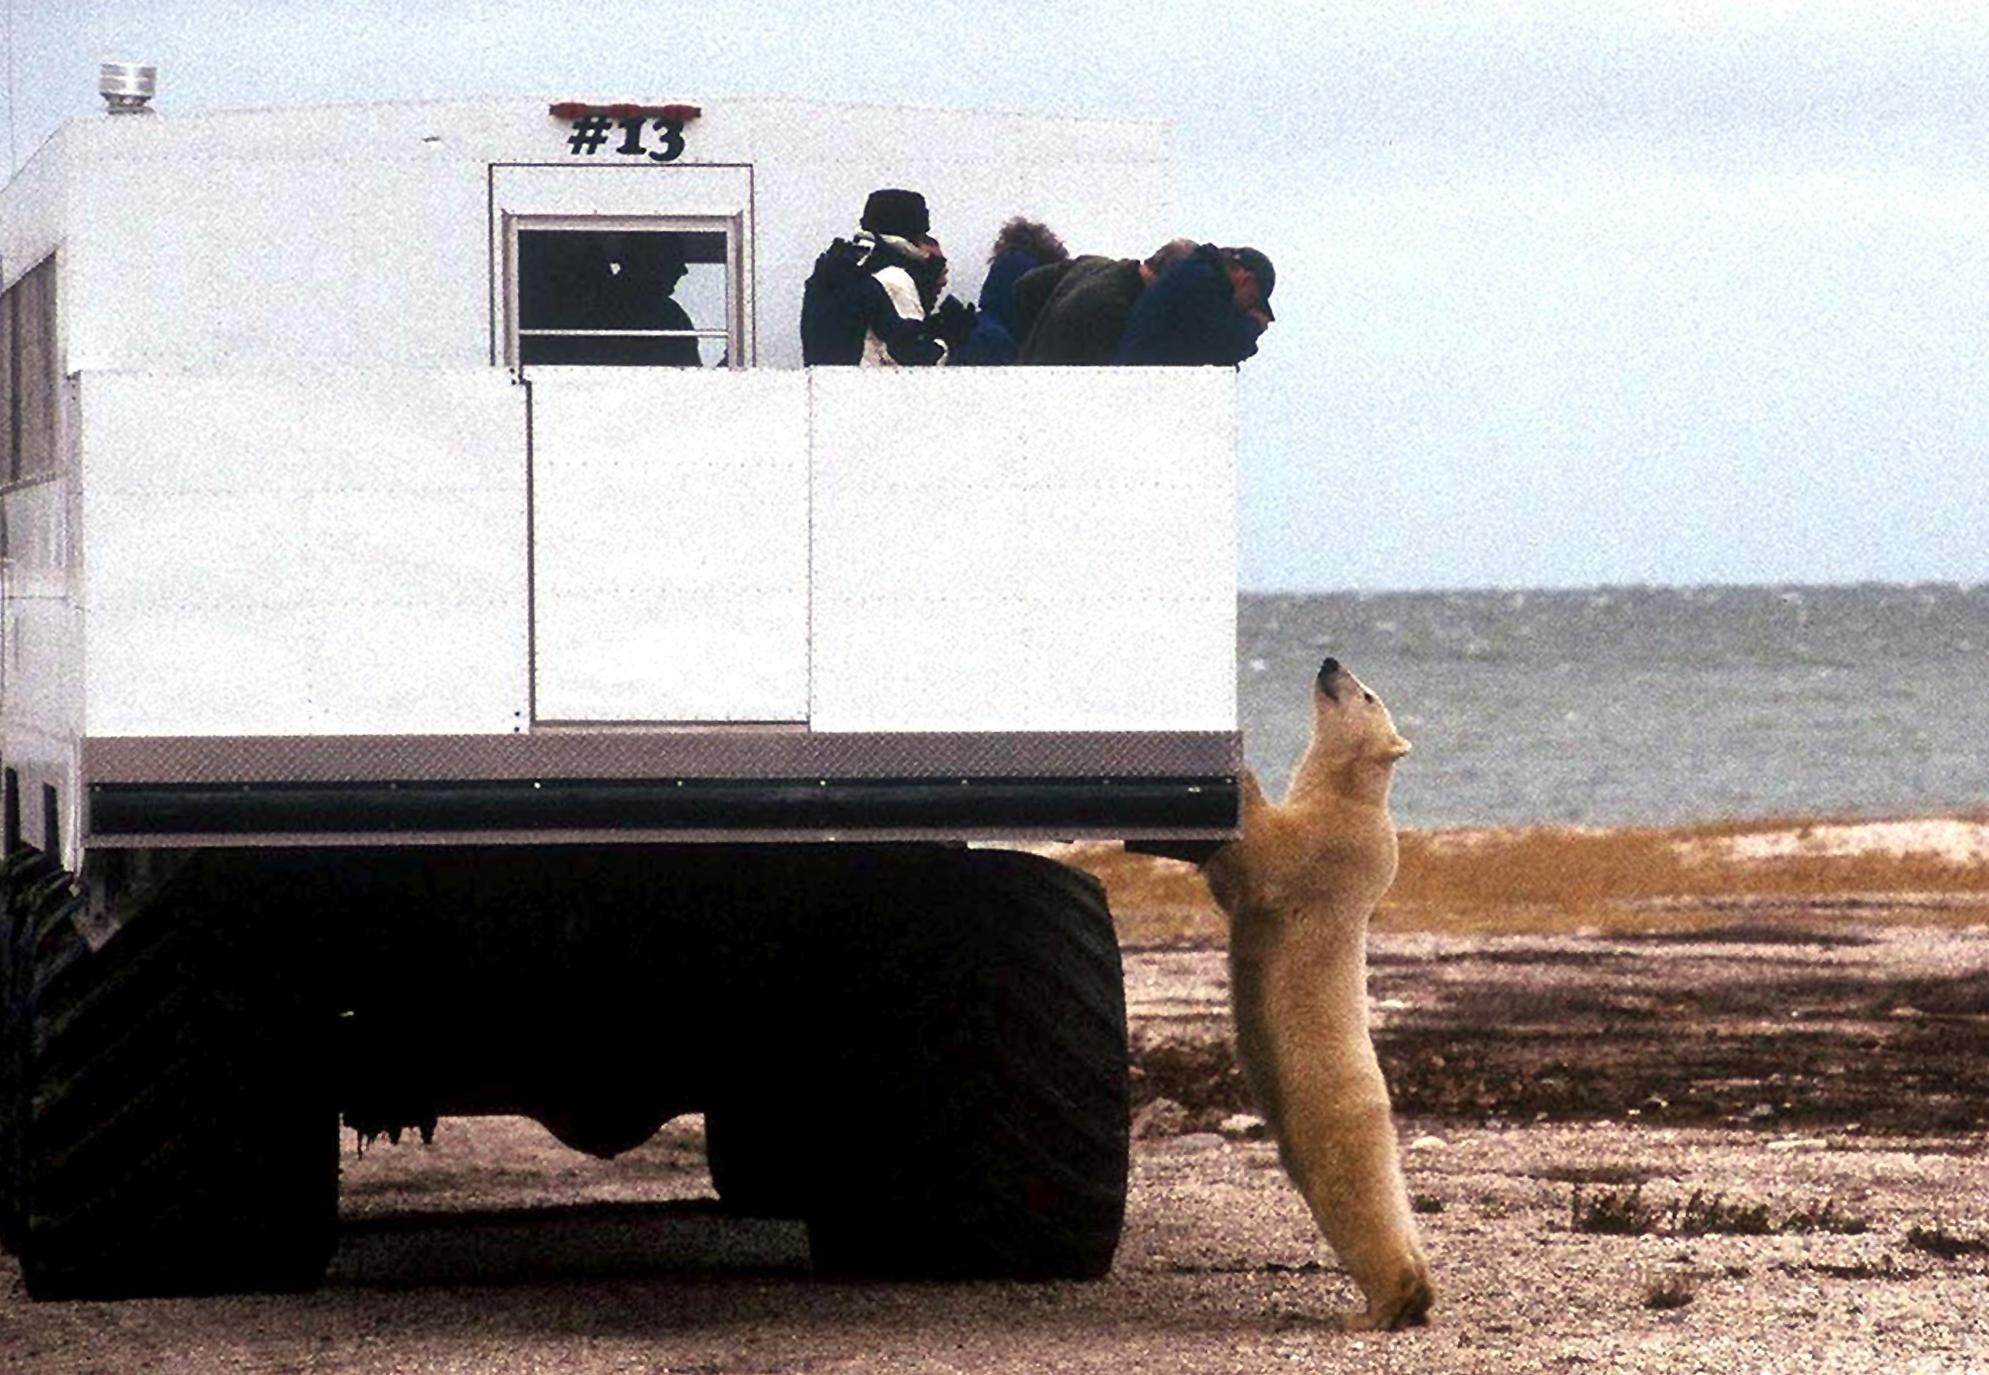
point(166, 1135)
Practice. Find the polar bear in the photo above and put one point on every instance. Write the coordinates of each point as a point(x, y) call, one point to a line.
point(1298, 887)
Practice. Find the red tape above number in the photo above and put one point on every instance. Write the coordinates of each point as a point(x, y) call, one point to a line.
point(580, 109)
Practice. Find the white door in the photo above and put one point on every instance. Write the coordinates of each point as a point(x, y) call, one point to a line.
point(669, 545)
point(669, 481)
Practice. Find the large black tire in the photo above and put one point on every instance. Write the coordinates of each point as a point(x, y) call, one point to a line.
point(19, 873)
point(751, 1173)
point(175, 1122)
point(976, 1105)
point(9, 1108)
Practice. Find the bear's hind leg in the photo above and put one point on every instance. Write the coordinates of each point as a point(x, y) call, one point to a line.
point(1305, 1041)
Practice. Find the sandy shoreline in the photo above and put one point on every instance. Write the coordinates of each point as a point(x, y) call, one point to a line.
point(1953, 840)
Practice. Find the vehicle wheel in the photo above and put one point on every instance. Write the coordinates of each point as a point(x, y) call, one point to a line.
point(976, 1109)
point(176, 1128)
point(9, 1108)
point(749, 1173)
point(19, 872)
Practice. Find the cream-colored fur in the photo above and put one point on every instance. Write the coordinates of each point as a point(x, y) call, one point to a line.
point(1298, 887)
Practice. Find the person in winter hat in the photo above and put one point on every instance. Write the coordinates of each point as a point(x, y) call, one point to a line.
point(1207, 311)
point(873, 299)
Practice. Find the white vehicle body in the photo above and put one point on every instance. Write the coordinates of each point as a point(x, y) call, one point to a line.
point(298, 551)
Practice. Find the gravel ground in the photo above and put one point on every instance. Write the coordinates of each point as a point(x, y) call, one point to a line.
point(497, 1250)
point(1770, 1020)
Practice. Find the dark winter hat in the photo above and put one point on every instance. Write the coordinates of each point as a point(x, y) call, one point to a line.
point(1258, 266)
point(895, 212)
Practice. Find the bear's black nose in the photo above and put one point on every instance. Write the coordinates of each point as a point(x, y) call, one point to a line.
point(1327, 672)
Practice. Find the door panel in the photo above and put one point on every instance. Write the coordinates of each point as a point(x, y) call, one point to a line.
point(669, 545)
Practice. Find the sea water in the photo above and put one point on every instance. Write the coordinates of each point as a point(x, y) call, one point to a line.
point(1644, 705)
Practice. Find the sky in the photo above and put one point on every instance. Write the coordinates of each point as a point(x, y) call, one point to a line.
point(1568, 293)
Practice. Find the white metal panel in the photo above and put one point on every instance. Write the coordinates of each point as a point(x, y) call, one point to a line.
point(597, 188)
point(304, 553)
point(1058, 555)
point(670, 545)
point(41, 656)
point(44, 668)
point(199, 258)
point(43, 644)
point(34, 209)
point(37, 538)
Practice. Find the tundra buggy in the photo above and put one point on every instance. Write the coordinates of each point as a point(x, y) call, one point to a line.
point(429, 687)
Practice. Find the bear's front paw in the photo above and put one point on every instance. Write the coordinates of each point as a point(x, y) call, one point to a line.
point(1403, 1301)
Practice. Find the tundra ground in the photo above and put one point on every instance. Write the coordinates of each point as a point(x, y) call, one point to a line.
point(1739, 1133)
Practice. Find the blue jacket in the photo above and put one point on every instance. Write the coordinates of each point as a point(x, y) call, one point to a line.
point(993, 341)
point(1188, 319)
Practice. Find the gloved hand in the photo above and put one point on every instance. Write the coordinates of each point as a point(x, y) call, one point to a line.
point(953, 322)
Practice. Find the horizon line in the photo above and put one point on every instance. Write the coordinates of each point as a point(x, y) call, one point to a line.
point(1784, 585)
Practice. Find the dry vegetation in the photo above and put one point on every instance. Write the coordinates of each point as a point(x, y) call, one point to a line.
point(1938, 1241)
point(1671, 1291)
point(1626, 1212)
point(1555, 880)
point(1552, 879)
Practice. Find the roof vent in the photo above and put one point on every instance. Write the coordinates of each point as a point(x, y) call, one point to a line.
point(127, 86)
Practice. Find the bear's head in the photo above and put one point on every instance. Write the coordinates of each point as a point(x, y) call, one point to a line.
point(1354, 741)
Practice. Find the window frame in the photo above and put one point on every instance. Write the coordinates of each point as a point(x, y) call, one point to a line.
point(19, 392)
point(734, 335)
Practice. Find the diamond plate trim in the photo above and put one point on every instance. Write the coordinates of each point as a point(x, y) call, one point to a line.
point(625, 754)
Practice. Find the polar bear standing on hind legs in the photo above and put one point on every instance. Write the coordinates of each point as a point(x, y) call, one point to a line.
point(1298, 887)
